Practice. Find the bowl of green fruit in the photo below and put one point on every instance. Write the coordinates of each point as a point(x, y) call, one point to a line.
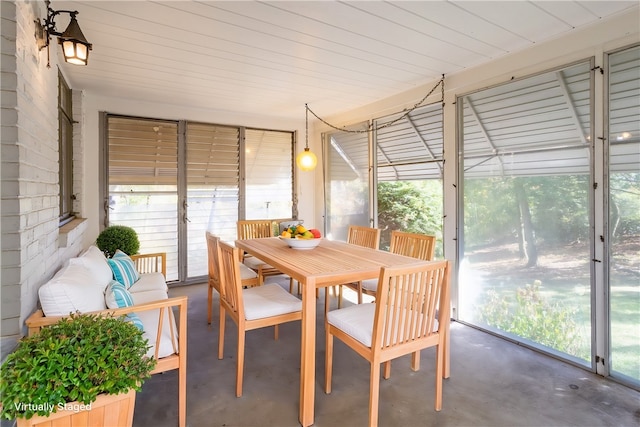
point(299, 237)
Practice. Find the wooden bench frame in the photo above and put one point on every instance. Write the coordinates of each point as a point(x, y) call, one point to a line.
point(148, 263)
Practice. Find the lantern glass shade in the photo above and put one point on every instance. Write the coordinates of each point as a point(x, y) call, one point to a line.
point(306, 160)
point(75, 46)
point(75, 52)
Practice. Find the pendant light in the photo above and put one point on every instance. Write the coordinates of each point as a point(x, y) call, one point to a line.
point(306, 160)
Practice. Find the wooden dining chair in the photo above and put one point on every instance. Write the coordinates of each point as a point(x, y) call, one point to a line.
point(414, 245)
point(255, 229)
point(402, 321)
point(251, 308)
point(249, 277)
point(367, 237)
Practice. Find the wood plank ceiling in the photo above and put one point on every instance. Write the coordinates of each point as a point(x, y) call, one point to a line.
point(270, 58)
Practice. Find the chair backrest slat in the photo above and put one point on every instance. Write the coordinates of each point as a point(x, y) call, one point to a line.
point(364, 236)
point(415, 245)
point(255, 228)
point(212, 260)
point(230, 279)
point(406, 304)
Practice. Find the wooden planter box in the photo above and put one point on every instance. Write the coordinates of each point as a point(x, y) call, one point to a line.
point(107, 410)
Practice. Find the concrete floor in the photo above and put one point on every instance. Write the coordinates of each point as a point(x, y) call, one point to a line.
point(493, 383)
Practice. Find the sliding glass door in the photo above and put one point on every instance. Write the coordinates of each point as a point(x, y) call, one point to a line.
point(624, 213)
point(347, 183)
point(409, 167)
point(526, 246)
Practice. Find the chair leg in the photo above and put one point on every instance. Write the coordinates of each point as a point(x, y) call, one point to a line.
point(328, 360)
point(374, 394)
point(387, 370)
point(415, 360)
point(439, 375)
point(260, 276)
point(447, 350)
point(221, 334)
point(339, 294)
point(359, 292)
point(326, 301)
point(240, 361)
point(209, 305)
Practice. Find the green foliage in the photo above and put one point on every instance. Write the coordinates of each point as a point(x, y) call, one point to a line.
point(411, 206)
point(531, 316)
point(625, 204)
point(73, 360)
point(118, 237)
point(490, 211)
point(559, 207)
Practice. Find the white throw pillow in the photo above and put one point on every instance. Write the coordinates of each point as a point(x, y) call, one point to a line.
point(71, 290)
point(95, 261)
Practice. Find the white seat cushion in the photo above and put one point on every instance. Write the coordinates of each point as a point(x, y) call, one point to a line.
point(254, 263)
point(370, 285)
point(268, 300)
point(247, 273)
point(357, 321)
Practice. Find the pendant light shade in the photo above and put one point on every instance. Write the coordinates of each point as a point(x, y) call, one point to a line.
point(306, 160)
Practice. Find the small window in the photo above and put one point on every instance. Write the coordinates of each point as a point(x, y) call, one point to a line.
point(65, 150)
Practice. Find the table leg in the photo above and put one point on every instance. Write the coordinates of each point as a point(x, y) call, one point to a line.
point(308, 353)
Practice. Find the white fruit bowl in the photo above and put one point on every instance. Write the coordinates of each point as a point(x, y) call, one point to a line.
point(302, 244)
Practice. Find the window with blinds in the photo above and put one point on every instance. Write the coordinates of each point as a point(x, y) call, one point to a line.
point(143, 183)
point(213, 187)
point(269, 172)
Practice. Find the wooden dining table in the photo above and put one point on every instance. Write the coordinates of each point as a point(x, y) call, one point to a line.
point(330, 263)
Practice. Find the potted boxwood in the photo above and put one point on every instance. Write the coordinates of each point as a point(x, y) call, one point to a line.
point(118, 237)
point(74, 365)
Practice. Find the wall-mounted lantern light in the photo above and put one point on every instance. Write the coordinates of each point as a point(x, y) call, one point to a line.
point(75, 46)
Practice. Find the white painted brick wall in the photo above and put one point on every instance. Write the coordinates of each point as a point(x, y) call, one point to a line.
point(29, 168)
point(9, 221)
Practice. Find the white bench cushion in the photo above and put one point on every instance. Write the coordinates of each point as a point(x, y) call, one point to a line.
point(94, 260)
point(72, 289)
point(149, 282)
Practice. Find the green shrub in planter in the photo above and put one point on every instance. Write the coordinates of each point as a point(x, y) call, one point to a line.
point(75, 359)
point(118, 237)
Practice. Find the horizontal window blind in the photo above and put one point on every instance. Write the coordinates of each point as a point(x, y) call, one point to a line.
point(142, 151)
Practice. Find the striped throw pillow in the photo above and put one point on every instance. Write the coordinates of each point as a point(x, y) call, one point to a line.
point(123, 268)
point(117, 296)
